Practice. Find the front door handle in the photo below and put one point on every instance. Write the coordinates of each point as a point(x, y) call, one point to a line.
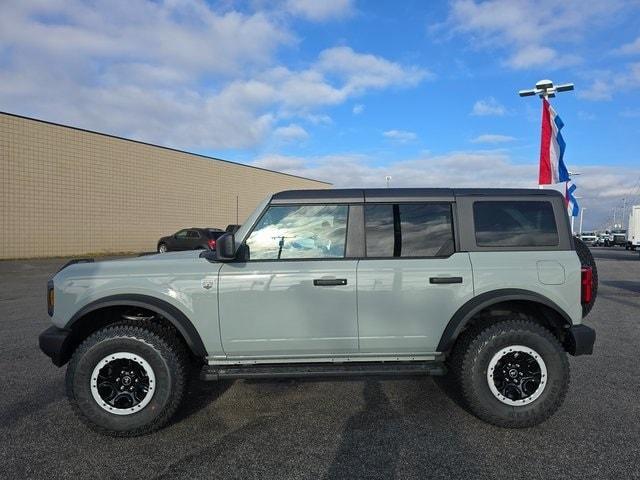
point(327, 282)
point(443, 280)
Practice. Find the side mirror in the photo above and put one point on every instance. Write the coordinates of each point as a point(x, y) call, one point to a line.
point(226, 247)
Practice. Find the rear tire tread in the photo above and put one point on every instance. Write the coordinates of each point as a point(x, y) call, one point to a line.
point(467, 354)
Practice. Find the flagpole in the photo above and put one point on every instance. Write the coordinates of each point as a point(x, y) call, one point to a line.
point(545, 89)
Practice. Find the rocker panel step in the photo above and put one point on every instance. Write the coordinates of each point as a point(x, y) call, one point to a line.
point(303, 370)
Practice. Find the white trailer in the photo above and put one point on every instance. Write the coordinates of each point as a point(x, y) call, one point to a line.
point(633, 229)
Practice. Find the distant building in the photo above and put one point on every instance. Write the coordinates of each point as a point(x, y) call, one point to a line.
point(67, 192)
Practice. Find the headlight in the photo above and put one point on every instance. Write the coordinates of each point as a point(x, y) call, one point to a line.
point(50, 297)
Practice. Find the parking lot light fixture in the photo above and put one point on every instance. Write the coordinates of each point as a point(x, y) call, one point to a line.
point(546, 89)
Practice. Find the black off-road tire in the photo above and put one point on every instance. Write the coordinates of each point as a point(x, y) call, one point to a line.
point(586, 259)
point(157, 345)
point(469, 362)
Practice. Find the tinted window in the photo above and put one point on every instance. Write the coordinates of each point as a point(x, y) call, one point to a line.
point(409, 230)
point(193, 234)
point(379, 230)
point(310, 231)
point(515, 224)
point(181, 234)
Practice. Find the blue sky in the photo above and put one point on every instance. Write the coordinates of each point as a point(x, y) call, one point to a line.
point(343, 90)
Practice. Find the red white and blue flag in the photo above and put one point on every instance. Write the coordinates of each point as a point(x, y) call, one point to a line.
point(552, 146)
point(572, 205)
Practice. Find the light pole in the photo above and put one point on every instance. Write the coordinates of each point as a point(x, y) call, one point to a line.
point(573, 219)
point(388, 180)
point(582, 209)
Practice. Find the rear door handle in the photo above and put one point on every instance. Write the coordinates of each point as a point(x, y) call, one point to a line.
point(442, 280)
point(327, 282)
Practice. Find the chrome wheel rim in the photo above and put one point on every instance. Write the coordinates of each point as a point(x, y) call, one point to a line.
point(162, 249)
point(517, 375)
point(123, 383)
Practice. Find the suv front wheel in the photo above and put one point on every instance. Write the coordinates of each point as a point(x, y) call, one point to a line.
point(127, 379)
point(512, 374)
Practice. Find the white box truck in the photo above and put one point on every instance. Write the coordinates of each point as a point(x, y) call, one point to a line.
point(633, 230)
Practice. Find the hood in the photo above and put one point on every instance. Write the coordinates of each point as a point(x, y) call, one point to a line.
point(146, 264)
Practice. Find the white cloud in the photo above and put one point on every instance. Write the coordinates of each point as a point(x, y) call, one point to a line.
point(291, 132)
point(598, 90)
point(321, 10)
point(601, 187)
point(281, 163)
point(606, 83)
point(488, 106)
point(534, 55)
point(357, 109)
point(582, 115)
point(364, 71)
point(492, 138)
point(630, 113)
point(177, 73)
point(400, 136)
point(184, 34)
point(529, 30)
point(631, 48)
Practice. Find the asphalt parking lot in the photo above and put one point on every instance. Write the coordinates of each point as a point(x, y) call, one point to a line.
point(404, 428)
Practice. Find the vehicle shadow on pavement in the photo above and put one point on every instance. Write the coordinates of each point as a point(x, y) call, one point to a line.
point(360, 454)
point(36, 400)
point(200, 394)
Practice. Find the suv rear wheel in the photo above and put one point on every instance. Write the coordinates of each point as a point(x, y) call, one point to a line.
point(512, 374)
point(127, 379)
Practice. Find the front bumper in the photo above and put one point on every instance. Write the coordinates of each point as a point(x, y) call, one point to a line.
point(56, 344)
point(580, 340)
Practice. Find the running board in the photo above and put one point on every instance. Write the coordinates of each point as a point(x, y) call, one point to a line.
point(310, 370)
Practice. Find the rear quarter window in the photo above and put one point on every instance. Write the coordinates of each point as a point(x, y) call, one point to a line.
point(515, 224)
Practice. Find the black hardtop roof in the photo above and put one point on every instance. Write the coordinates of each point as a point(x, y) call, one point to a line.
point(351, 195)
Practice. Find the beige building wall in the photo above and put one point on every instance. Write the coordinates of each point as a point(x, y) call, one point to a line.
point(70, 192)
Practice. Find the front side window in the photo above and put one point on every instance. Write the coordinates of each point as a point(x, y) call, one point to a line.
point(305, 232)
point(515, 224)
point(181, 234)
point(409, 230)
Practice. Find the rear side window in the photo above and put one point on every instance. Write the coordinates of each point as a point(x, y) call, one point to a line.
point(408, 230)
point(515, 224)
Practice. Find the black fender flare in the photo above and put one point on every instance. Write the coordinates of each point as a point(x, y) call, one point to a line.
point(171, 313)
point(476, 304)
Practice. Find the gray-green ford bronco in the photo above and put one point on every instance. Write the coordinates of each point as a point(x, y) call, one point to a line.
point(485, 286)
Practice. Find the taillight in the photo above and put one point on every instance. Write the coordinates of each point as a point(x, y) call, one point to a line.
point(586, 284)
point(212, 244)
point(50, 297)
